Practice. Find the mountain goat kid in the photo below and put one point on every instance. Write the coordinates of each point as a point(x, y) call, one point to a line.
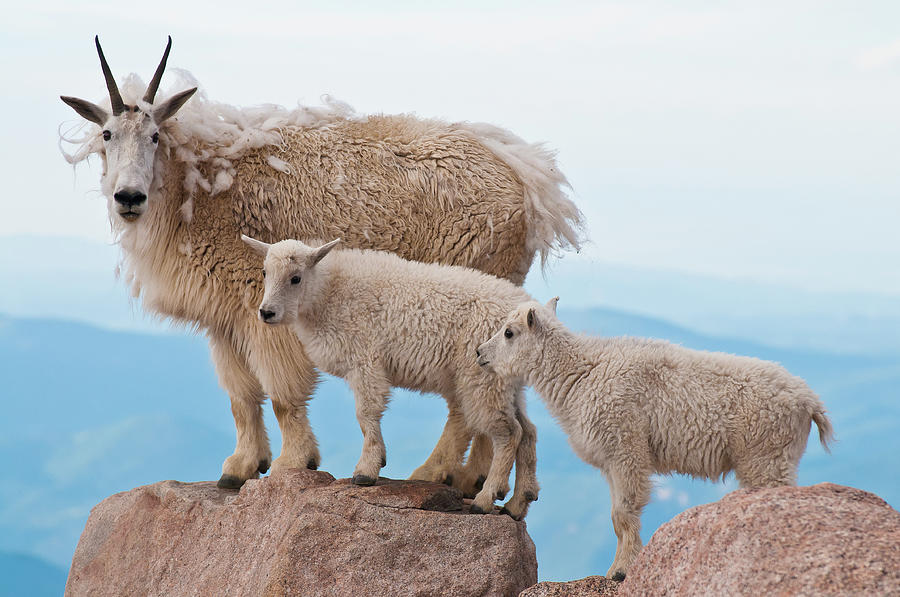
point(379, 321)
point(634, 407)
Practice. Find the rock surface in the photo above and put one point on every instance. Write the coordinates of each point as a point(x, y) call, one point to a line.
point(592, 586)
point(821, 540)
point(299, 533)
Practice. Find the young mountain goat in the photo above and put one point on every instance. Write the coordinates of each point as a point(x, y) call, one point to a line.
point(181, 190)
point(635, 407)
point(379, 321)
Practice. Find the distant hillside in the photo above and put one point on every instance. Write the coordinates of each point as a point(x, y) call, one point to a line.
point(91, 412)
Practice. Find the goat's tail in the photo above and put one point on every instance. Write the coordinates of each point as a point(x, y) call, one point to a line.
point(826, 431)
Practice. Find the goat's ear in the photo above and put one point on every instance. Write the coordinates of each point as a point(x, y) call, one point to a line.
point(531, 319)
point(258, 246)
point(322, 252)
point(167, 109)
point(86, 109)
point(551, 304)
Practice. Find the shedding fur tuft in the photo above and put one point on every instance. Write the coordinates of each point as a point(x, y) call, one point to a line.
point(554, 221)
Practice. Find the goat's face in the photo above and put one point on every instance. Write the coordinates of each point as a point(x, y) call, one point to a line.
point(289, 270)
point(130, 138)
point(509, 352)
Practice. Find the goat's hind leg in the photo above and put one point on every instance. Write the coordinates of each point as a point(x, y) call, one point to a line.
point(252, 454)
point(492, 411)
point(445, 461)
point(526, 489)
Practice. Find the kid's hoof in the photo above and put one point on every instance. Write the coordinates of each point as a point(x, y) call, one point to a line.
point(500, 495)
point(364, 480)
point(503, 510)
point(383, 461)
point(229, 482)
point(312, 464)
point(479, 482)
point(476, 510)
point(618, 576)
point(531, 496)
point(263, 467)
point(448, 480)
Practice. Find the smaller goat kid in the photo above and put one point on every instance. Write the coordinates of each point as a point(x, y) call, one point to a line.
point(634, 407)
point(379, 321)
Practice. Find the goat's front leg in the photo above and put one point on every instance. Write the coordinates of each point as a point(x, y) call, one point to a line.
point(630, 492)
point(371, 391)
point(251, 454)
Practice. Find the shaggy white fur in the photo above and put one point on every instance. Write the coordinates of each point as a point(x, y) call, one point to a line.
point(379, 321)
point(634, 407)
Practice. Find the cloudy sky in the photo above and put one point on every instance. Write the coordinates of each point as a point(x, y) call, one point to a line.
point(751, 140)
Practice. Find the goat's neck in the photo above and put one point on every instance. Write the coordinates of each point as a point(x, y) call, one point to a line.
point(557, 367)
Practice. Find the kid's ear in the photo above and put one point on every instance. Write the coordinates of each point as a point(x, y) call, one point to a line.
point(551, 304)
point(323, 251)
point(258, 246)
point(531, 319)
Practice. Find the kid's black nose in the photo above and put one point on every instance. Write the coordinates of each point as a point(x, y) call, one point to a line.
point(266, 315)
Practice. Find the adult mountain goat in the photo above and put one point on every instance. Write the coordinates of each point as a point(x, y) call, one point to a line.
point(181, 191)
point(634, 407)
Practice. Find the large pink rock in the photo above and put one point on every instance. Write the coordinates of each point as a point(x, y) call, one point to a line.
point(592, 586)
point(299, 533)
point(821, 540)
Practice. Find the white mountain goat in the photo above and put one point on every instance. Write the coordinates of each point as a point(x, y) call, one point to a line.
point(634, 407)
point(379, 321)
point(182, 189)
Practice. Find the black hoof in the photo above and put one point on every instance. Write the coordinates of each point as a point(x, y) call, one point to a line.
point(500, 495)
point(618, 576)
point(263, 467)
point(479, 482)
point(312, 464)
point(229, 482)
point(531, 496)
point(503, 510)
point(448, 480)
point(383, 461)
point(364, 480)
point(476, 510)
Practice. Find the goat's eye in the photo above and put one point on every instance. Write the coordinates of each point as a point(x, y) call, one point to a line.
point(508, 333)
point(107, 135)
point(295, 280)
point(155, 138)
point(264, 273)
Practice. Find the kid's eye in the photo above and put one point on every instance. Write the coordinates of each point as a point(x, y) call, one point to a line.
point(295, 280)
point(508, 333)
point(107, 135)
point(155, 138)
point(264, 273)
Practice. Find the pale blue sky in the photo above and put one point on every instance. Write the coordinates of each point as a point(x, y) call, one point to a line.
point(751, 140)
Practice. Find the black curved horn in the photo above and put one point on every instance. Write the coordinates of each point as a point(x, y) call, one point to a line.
point(157, 76)
point(115, 98)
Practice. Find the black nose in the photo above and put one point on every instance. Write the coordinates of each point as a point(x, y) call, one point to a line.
point(266, 315)
point(477, 353)
point(130, 198)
